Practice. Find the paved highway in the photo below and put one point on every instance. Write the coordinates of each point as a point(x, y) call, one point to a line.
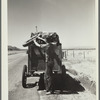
point(17, 92)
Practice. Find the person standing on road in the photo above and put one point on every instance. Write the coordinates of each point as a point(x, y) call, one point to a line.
point(50, 55)
point(48, 76)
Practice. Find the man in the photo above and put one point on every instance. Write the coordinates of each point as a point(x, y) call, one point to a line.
point(50, 42)
point(48, 76)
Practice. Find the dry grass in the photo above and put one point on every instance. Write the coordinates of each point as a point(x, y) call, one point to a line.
point(85, 65)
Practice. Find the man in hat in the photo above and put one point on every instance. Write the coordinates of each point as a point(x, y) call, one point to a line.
point(50, 55)
point(48, 76)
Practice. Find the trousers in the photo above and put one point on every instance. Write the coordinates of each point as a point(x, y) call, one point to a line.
point(48, 75)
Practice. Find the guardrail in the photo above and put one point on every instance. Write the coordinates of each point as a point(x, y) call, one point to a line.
point(81, 53)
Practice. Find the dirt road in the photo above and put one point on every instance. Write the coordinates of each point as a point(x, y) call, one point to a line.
point(17, 92)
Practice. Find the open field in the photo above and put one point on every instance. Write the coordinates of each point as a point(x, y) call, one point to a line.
point(82, 64)
point(84, 61)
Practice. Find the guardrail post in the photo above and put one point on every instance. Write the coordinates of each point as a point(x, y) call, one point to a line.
point(67, 52)
point(65, 55)
point(84, 54)
point(73, 54)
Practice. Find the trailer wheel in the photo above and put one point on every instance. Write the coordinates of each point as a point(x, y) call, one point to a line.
point(24, 77)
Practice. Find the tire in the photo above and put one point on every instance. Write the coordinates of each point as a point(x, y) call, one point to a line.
point(24, 77)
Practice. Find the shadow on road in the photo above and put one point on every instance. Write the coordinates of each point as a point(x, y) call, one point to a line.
point(63, 82)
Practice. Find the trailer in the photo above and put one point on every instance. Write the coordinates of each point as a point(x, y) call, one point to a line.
point(36, 52)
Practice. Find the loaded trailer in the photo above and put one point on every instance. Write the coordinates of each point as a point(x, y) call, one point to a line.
point(37, 45)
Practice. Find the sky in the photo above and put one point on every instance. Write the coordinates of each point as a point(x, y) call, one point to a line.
point(73, 20)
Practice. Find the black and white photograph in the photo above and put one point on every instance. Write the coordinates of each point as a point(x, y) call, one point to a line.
point(52, 50)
